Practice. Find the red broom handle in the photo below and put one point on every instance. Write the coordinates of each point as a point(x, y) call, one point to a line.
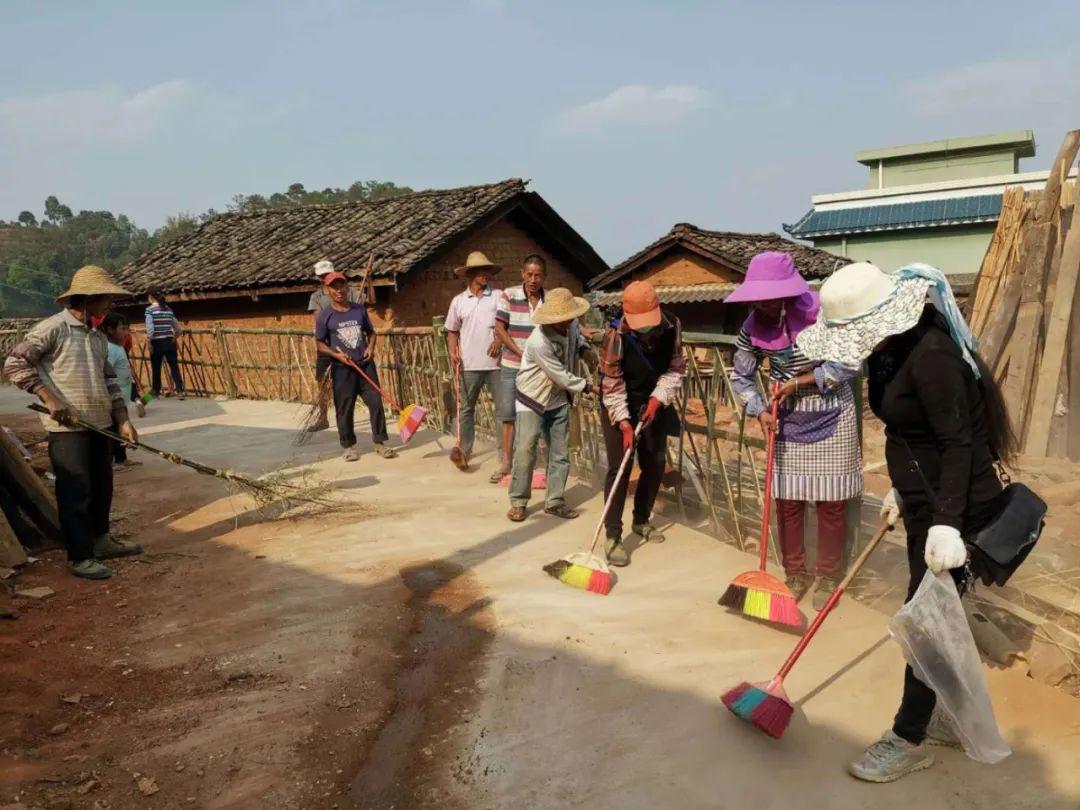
point(770, 456)
point(614, 486)
point(347, 361)
point(819, 620)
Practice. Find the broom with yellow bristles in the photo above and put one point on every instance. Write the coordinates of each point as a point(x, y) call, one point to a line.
point(759, 594)
point(585, 569)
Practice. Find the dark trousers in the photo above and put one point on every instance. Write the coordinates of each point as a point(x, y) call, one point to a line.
point(791, 519)
point(82, 464)
point(651, 458)
point(164, 350)
point(348, 386)
point(917, 704)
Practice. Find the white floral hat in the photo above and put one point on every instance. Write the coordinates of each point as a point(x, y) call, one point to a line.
point(861, 305)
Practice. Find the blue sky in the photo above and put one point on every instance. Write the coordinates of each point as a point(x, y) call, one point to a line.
point(628, 116)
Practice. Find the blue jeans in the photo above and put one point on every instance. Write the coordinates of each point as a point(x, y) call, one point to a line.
point(472, 383)
point(505, 409)
point(554, 426)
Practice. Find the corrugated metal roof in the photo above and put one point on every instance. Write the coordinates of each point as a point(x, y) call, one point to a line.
point(900, 216)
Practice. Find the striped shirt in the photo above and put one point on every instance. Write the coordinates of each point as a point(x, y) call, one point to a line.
point(515, 313)
point(161, 323)
point(63, 353)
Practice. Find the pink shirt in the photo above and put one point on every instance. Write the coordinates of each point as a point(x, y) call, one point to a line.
point(473, 318)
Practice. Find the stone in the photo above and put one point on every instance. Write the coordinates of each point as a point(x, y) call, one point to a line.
point(147, 785)
point(40, 592)
point(8, 612)
point(86, 787)
point(74, 699)
point(59, 729)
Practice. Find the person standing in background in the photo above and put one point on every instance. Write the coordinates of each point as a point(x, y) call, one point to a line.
point(320, 300)
point(118, 332)
point(162, 332)
point(474, 349)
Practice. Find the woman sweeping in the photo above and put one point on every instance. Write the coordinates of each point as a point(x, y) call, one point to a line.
point(945, 424)
point(817, 448)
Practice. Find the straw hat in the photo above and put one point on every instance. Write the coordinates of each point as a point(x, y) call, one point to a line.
point(861, 305)
point(91, 280)
point(560, 305)
point(477, 261)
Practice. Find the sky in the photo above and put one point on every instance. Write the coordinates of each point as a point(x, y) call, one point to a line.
point(627, 116)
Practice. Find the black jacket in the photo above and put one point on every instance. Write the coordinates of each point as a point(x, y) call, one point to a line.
point(926, 394)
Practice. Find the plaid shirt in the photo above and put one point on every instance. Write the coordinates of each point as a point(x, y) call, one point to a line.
point(613, 383)
point(69, 357)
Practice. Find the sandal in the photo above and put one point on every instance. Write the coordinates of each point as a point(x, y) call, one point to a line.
point(496, 477)
point(516, 514)
point(561, 511)
point(385, 452)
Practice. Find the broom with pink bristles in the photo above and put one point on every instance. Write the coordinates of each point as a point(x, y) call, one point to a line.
point(758, 593)
point(766, 705)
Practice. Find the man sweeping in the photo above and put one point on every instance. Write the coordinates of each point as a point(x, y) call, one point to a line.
point(545, 386)
point(343, 332)
point(642, 368)
point(64, 361)
point(474, 349)
point(320, 300)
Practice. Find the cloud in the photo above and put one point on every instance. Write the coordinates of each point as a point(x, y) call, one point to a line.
point(634, 105)
point(1022, 89)
point(107, 116)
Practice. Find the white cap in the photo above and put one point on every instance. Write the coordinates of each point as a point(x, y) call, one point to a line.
point(323, 267)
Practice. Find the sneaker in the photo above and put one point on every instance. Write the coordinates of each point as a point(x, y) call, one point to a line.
point(890, 758)
point(825, 588)
point(89, 569)
point(799, 583)
point(616, 552)
point(350, 454)
point(648, 532)
point(181, 396)
point(140, 407)
point(941, 731)
point(106, 547)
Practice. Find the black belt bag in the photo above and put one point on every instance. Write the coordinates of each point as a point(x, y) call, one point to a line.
point(999, 547)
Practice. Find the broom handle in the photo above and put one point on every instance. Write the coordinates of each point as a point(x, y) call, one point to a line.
point(831, 603)
point(348, 361)
point(614, 486)
point(457, 397)
point(770, 457)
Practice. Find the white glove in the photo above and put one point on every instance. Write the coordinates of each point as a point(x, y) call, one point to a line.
point(945, 549)
point(890, 507)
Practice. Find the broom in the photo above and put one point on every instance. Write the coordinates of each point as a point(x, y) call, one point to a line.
point(457, 455)
point(584, 569)
point(409, 418)
point(766, 705)
point(264, 492)
point(758, 593)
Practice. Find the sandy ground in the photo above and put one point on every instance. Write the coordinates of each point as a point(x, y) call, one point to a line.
point(410, 653)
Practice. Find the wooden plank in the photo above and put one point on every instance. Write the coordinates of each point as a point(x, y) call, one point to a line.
point(11, 550)
point(1057, 335)
point(31, 493)
point(1002, 245)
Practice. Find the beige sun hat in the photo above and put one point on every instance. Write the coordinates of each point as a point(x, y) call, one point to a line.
point(560, 305)
point(477, 261)
point(92, 280)
point(323, 266)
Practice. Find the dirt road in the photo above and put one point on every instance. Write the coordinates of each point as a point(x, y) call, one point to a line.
point(409, 653)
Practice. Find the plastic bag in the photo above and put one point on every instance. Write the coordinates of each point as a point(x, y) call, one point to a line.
point(937, 642)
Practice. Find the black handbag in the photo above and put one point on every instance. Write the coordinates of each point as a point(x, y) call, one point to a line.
point(999, 547)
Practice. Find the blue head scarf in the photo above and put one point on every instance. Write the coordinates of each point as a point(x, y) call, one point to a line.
point(941, 296)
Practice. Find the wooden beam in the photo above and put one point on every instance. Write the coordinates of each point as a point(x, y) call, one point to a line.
point(11, 550)
point(31, 493)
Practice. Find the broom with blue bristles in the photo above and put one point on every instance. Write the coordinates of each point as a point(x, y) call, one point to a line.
point(766, 705)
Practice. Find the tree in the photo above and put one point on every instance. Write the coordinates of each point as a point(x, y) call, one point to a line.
point(27, 219)
point(55, 212)
point(179, 225)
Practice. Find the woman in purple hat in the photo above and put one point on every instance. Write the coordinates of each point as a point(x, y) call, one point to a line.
point(817, 447)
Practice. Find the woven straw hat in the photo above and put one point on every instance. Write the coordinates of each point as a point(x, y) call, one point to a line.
point(560, 305)
point(91, 280)
point(477, 261)
point(861, 305)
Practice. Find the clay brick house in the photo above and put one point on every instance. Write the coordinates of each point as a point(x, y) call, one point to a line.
point(255, 269)
point(694, 269)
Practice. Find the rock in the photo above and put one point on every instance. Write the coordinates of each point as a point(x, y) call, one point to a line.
point(86, 787)
point(74, 699)
point(8, 612)
point(147, 785)
point(40, 592)
point(59, 729)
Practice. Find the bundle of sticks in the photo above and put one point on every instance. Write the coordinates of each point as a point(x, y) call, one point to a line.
point(1025, 309)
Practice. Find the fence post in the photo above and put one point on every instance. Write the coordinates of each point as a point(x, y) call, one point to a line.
point(226, 363)
point(442, 362)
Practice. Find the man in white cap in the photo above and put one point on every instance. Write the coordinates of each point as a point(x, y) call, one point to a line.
point(320, 300)
point(64, 361)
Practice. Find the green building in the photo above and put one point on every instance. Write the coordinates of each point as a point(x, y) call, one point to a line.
point(935, 202)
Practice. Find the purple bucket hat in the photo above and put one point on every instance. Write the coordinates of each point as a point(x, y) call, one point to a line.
point(769, 276)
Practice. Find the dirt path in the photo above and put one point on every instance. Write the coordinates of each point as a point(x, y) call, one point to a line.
point(411, 654)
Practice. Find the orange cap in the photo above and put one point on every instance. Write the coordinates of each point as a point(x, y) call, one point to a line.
point(640, 306)
point(331, 277)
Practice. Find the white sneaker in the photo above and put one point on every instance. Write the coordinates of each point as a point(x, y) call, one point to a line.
point(890, 758)
point(941, 731)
